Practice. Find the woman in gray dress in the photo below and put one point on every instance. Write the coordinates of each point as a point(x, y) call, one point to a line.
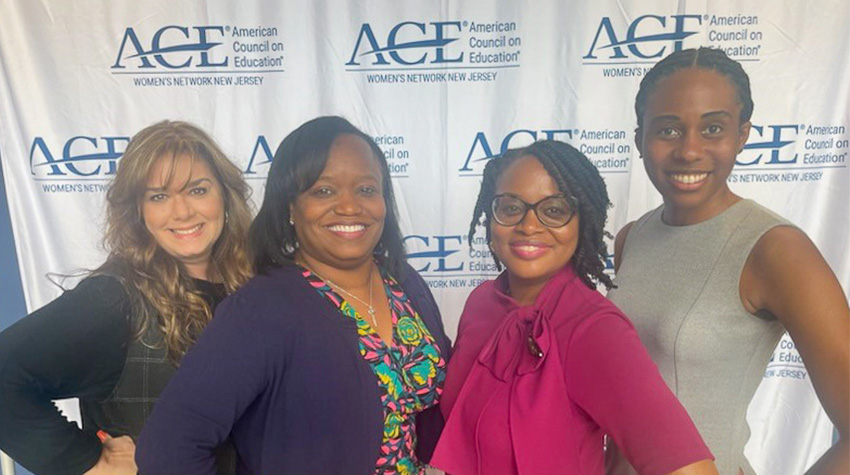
point(712, 280)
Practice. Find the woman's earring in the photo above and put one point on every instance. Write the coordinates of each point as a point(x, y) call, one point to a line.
point(291, 221)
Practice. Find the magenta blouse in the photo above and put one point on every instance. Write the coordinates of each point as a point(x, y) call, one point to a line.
point(535, 389)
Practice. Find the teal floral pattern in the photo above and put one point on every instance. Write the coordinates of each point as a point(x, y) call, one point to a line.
point(410, 372)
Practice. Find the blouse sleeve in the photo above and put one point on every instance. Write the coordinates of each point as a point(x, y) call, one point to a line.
point(74, 346)
point(217, 380)
point(612, 378)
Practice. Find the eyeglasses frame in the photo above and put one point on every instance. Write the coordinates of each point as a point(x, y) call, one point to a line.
point(571, 201)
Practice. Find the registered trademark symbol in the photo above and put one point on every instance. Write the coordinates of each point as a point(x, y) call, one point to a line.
point(465, 23)
point(802, 126)
point(227, 28)
point(575, 131)
point(705, 17)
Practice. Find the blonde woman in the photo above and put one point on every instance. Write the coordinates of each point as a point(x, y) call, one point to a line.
point(177, 220)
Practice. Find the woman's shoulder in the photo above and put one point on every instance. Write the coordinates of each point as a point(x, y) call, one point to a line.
point(273, 295)
point(771, 250)
point(579, 293)
point(104, 284)
point(586, 306)
point(97, 307)
point(277, 282)
point(481, 306)
point(485, 292)
point(100, 292)
point(653, 214)
point(410, 280)
point(755, 212)
point(634, 228)
point(756, 229)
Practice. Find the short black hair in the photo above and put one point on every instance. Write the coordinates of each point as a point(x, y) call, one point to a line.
point(575, 176)
point(296, 165)
point(702, 58)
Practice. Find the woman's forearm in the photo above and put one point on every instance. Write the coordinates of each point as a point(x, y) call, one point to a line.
point(836, 460)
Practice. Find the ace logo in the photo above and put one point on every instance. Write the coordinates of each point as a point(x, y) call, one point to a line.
point(172, 47)
point(484, 148)
point(423, 43)
point(766, 144)
point(647, 37)
point(81, 157)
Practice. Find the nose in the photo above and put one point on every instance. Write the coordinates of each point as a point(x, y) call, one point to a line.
point(181, 209)
point(529, 224)
point(690, 147)
point(347, 204)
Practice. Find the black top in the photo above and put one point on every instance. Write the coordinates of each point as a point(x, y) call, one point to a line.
point(75, 346)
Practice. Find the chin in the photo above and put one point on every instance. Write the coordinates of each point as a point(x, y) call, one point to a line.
point(527, 274)
point(347, 260)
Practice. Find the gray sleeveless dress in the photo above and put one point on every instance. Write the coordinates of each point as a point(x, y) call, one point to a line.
point(680, 287)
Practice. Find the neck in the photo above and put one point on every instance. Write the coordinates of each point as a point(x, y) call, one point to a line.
point(523, 291)
point(679, 216)
point(200, 271)
point(356, 277)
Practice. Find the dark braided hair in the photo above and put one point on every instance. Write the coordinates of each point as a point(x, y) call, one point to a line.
point(702, 58)
point(576, 177)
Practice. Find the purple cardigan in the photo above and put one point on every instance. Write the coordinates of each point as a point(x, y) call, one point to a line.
point(279, 369)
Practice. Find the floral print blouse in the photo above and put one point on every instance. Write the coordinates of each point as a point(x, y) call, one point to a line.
point(410, 372)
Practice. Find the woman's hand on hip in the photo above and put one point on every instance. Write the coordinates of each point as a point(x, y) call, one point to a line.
point(703, 467)
point(117, 457)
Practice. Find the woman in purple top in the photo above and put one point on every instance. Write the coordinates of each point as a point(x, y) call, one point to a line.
point(544, 366)
point(332, 359)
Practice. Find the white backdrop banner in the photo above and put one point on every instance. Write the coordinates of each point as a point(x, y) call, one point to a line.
point(443, 87)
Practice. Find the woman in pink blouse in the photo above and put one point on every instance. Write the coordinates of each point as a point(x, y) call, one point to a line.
point(544, 367)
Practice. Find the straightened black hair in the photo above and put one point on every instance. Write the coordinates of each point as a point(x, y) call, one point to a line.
point(296, 165)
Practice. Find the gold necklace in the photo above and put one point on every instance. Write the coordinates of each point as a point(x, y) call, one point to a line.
point(370, 308)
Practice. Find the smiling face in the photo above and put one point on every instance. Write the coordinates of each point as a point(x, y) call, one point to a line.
point(340, 218)
point(183, 209)
point(690, 137)
point(531, 252)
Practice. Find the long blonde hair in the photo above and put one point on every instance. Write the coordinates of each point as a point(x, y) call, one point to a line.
point(161, 291)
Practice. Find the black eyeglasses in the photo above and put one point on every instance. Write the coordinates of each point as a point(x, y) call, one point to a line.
point(553, 211)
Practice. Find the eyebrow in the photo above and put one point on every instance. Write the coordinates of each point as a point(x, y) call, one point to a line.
point(512, 195)
point(707, 115)
point(190, 184)
point(357, 178)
